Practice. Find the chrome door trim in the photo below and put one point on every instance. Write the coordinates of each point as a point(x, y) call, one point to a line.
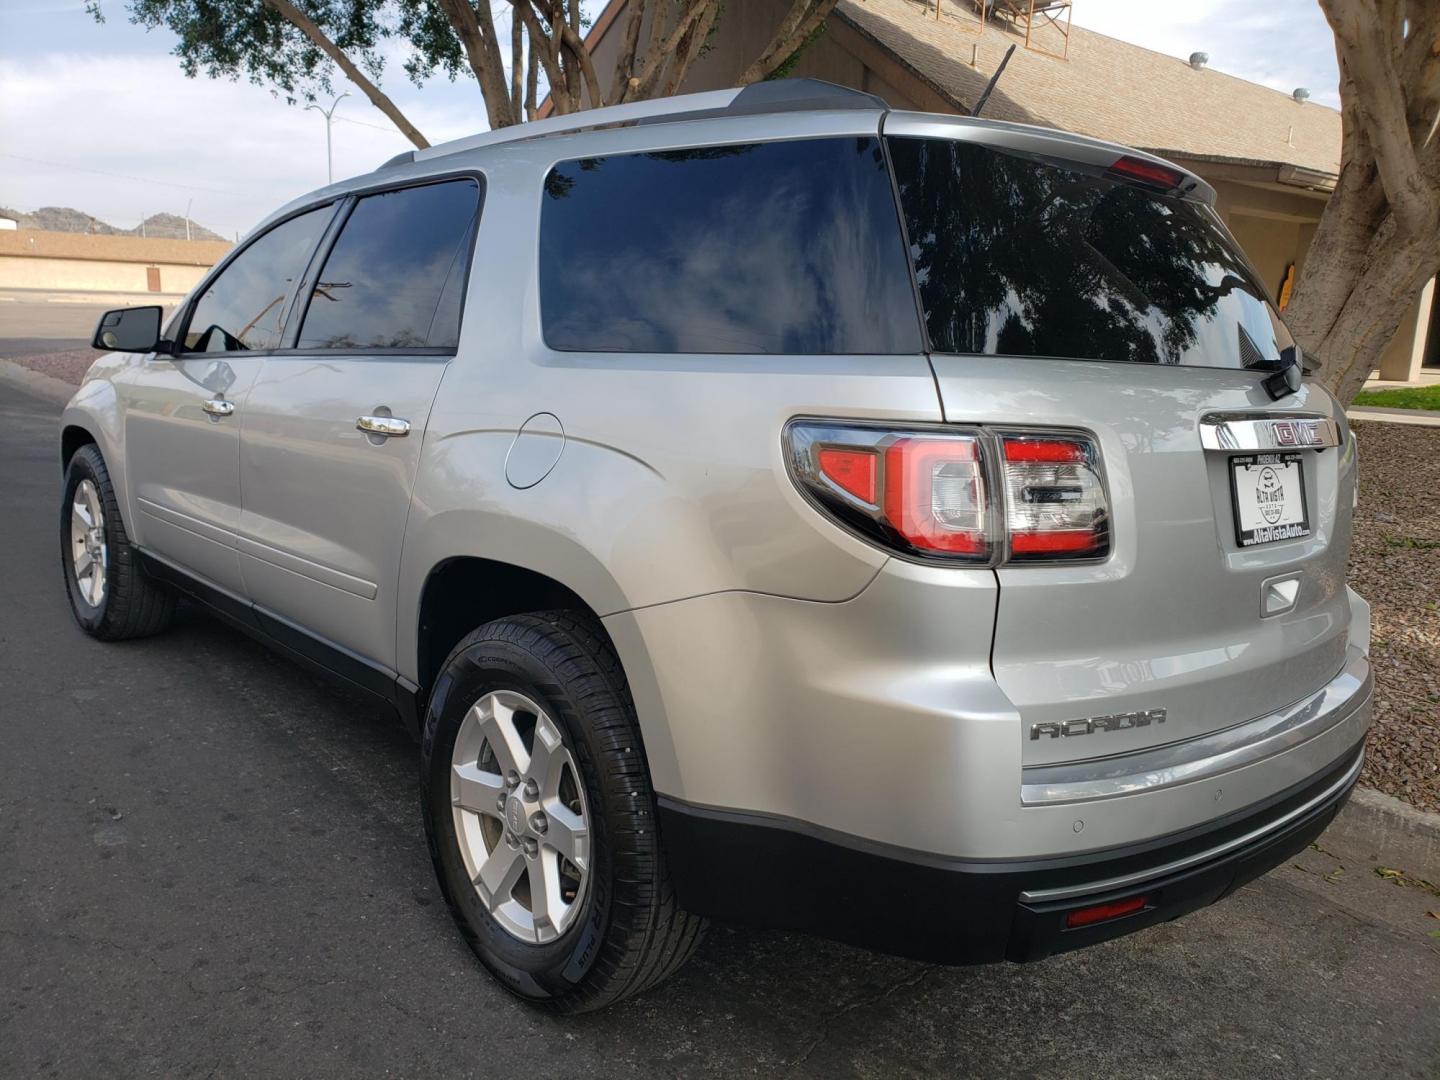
point(1205, 756)
point(389, 427)
point(218, 407)
point(1249, 431)
point(1040, 896)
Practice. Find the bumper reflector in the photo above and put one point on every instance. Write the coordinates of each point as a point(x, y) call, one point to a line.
point(1115, 909)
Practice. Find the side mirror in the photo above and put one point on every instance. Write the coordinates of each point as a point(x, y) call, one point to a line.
point(135, 329)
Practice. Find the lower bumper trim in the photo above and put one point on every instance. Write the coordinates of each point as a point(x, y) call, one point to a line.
point(737, 868)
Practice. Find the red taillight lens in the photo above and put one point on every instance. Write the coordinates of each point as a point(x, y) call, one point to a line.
point(855, 471)
point(935, 494)
point(965, 495)
point(1116, 909)
point(1147, 172)
point(1054, 501)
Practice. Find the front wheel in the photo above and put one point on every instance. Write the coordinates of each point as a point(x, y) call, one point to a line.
point(110, 596)
point(540, 815)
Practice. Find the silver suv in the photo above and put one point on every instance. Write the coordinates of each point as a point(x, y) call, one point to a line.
point(765, 506)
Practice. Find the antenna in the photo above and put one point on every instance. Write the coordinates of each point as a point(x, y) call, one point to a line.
point(993, 80)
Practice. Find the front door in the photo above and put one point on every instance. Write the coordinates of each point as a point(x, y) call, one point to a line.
point(183, 412)
point(334, 429)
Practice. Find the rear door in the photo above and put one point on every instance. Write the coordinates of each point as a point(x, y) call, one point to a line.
point(1060, 292)
point(334, 424)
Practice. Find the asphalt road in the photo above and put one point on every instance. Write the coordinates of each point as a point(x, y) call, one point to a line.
point(34, 321)
point(212, 864)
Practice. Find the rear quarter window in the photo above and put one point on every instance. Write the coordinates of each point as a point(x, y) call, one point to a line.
point(787, 247)
point(1023, 257)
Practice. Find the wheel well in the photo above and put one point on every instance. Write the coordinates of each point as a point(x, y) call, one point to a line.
point(463, 593)
point(71, 440)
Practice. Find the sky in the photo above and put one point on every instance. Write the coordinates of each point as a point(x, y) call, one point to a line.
point(100, 117)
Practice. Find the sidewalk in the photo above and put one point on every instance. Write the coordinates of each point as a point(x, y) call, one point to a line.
point(1419, 417)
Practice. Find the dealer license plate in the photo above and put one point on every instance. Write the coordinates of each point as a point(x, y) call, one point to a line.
point(1269, 496)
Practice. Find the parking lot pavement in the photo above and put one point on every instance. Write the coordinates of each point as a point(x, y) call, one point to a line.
point(39, 321)
point(213, 864)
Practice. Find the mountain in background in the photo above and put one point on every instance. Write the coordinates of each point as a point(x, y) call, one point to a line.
point(68, 219)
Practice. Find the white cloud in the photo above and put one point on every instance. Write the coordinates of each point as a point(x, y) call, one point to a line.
point(124, 136)
point(1281, 44)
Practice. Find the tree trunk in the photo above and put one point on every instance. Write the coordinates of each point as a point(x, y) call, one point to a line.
point(378, 98)
point(1378, 240)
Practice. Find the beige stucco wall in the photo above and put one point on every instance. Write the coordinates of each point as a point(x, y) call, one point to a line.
point(93, 275)
point(77, 262)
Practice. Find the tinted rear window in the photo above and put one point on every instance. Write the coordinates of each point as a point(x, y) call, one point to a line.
point(396, 275)
point(789, 247)
point(1024, 258)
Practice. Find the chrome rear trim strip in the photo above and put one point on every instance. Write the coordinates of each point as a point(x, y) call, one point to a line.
point(1152, 873)
point(1277, 431)
point(1207, 755)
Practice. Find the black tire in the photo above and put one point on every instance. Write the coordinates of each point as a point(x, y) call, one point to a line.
point(133, 605)
point(631, 933)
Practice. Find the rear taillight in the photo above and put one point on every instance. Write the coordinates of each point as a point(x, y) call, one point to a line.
point(971, 495)
point(1054, 501)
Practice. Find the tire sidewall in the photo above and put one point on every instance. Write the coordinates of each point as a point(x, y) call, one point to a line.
point(90, 617)
point(536, 972)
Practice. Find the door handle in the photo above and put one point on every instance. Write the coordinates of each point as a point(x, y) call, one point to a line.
point(219, 407)
point(390, 427)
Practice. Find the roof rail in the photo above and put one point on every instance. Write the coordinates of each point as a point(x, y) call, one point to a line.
point(779, 95)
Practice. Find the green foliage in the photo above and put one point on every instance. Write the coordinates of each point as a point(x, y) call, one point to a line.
point(247, 38)
point(1402, 397)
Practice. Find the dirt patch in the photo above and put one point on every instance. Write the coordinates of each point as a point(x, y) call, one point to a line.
point(1395, 564)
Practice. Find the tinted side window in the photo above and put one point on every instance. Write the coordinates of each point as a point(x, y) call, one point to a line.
point(242, 307)
point(790, 247)
point(394, 279)
point(1025, 258)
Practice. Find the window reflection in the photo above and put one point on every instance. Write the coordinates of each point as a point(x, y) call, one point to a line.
point(243, 307)
point(788, 247)
point(1020, 257)
point(394, 278)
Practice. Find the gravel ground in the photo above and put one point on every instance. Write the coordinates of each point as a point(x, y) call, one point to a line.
point(69, 366)
point(1395, 564)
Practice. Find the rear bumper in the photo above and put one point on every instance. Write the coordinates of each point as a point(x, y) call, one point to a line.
point(782, 874)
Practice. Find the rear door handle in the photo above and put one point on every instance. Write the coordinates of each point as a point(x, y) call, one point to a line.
point(390, 427)
point(219, 407)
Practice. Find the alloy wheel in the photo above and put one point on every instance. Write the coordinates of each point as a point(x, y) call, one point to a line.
point(520, 816)
point(89, 555)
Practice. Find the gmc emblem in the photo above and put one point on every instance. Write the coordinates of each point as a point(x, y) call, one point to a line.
point(1296, 432)
point(1114, 722)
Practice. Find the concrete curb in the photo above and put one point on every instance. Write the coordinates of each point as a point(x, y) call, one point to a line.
point(1377, 415)
point(48, 387)
point(1393, 832)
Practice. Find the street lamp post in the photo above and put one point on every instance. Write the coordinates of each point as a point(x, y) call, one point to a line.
point(329, 114)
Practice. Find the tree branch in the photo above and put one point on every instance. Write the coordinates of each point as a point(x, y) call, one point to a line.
point(1368, 40)
point(802, 20)
point(689, 48)
point(378, 98)
point(586, 63)
point(642, 83)
point(483, 51)
point(517, 64)
point(625, 62)
point(541, 45)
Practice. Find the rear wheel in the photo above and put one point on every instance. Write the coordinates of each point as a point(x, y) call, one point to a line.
point(540, 815)
point(110, 596)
